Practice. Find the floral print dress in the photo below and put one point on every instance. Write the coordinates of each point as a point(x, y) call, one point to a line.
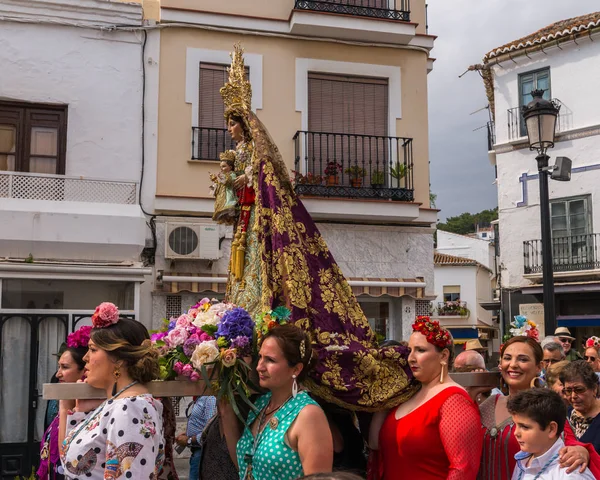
point(122, 438)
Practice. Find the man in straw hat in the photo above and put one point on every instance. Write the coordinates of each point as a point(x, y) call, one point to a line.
point(566, 340)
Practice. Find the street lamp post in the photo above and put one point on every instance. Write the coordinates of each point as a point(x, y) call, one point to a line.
point(540, 119)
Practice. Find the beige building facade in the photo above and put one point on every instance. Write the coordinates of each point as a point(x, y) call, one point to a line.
point(340, 84)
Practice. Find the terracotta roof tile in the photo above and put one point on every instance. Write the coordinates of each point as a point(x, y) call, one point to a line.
point(547, 34)
point(445, 259)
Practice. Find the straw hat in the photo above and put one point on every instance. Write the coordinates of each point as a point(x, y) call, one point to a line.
point(563, 332)
point(474, 345)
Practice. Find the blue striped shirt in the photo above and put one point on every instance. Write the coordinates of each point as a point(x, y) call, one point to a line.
point(202, 411)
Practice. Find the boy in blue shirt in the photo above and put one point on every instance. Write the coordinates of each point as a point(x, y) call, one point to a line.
point(539, 416)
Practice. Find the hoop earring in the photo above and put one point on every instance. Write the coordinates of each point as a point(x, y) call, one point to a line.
point(537, 382)
point(442, 372)
point(116, 374)
point(294, 387)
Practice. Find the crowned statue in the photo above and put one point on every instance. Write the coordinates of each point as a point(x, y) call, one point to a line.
point(279, 258)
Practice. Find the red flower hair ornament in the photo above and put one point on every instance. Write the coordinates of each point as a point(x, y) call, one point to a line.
point(106, 314)
point(431, 330)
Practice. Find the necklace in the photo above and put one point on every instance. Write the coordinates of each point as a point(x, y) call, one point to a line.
point(543, 470)
point(95, 413)
point(259, 435)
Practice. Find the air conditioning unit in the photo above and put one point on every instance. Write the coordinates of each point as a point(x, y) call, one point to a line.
point(192, 241)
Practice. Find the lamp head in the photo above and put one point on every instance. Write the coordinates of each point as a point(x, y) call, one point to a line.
point(540, 119)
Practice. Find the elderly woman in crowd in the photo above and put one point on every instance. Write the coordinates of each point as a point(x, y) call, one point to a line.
point(123, 436)
point(581, 389)
point(289, 435)
point(436, 434)
point(553, 378)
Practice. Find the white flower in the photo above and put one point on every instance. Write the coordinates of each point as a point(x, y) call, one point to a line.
point(206, 352)
point(206, 318)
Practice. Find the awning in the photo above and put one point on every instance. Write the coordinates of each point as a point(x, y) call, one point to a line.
point(463, 334)
point(490, 305)
point(578, 320)
point(572, 287)
point(205, 283)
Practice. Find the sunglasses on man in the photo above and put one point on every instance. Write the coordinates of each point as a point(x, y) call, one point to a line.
point(590, 359)
point(564, 340)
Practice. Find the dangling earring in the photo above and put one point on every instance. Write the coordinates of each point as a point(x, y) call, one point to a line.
point(116, 374)
point(294, 387)
point(442, 373)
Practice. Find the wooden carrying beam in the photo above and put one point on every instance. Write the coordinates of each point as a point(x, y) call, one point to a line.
point(81, 391)
point(185, 388)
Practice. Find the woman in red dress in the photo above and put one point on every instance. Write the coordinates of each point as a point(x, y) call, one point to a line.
point(437, 433)
point(520, 363)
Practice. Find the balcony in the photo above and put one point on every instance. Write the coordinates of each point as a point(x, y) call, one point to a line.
point(353, 166)
point(570, 254)
point(208, 143)
point(516, 124)
point(61, 217)
point(383, 9)
point(452, 309)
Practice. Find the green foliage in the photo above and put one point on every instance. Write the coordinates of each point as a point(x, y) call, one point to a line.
point(377, 177)
point(467, 222)
point(355, 171)
point(29, 259)
point(398, 171)
point(31, 477)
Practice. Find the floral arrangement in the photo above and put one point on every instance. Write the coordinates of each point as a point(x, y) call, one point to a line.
point(211, 338)
point(431, 329)
point(105, 315)
point(332, 168)
point(266, 321)
point(593, 342)
point(79, 338)
point(522, 327)
point(457, 308)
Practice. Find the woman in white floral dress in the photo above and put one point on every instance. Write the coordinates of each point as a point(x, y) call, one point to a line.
point(123, 436)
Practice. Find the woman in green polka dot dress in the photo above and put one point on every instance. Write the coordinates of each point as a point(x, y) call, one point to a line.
point(289, 436)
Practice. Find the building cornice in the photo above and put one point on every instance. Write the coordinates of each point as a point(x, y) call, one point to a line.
point(81, 13)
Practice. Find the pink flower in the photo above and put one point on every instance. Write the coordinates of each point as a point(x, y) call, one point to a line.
point(187, 370)
point(205, 337)
point(195, 376)
point(79, 338)
point(176, 337)
point(106, 314)
point(228, 357)
point(183, 321)
point(178, 367)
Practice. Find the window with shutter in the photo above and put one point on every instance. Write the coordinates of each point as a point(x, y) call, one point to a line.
point(347, 121)
point(571, 223)
point(33, 138)
point(212, 137)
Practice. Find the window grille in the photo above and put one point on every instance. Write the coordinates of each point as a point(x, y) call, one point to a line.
point(422, 307)
point(173, 306)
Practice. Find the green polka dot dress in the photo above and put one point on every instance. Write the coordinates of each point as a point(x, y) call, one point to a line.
point(273, 457)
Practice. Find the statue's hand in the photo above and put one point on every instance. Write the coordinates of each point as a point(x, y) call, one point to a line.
point(240, 182)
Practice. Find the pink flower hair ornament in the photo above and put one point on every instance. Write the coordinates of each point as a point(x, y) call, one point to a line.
point(106, 314)
point(593, 342)
point(79, 338)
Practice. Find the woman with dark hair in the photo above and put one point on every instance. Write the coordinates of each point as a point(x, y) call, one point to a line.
point(581, 388)
point(70, 369)
point(437, 433)
point(520, 364)
point(288, 435)
point(123, 437)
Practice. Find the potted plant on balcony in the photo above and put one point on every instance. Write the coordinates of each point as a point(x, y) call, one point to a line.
point(356, 175)
point(377, 178)
point(331, 173)
point(398, 172)
point(308, 179)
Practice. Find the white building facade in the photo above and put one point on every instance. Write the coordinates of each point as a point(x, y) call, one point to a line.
point(70, 163)
point(563, 60)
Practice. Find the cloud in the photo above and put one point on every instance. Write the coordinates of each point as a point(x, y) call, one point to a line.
point(461, 174)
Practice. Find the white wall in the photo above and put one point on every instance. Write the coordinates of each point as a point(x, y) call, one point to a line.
point(97, 74)
point(466, 277)
point(574, 73)
point(467, 247)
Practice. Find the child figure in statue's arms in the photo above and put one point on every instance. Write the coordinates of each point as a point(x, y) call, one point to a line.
point(226, 203)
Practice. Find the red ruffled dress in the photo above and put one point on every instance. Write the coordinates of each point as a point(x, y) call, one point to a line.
point(441, 439)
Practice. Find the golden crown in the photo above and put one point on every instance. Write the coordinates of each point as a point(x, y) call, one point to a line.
point(237, 92)
point(227, 155)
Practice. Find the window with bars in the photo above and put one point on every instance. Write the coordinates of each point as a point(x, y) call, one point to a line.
point(212, 137)
point(173, 306)
point(422, 307)
point(33, 137)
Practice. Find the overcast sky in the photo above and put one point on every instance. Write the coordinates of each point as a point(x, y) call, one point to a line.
point(461, 174)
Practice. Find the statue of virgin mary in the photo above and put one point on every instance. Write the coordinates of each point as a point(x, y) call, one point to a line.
point(279, 258)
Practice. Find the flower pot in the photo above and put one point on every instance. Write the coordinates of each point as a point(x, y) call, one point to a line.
point(332, 180)
point(356, 182)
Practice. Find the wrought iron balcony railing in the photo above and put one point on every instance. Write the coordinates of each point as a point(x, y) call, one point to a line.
point(452, 309)
point(208, 143)
point(572, 253)
point(389, 10)
point(516, 124)
point(353, 166)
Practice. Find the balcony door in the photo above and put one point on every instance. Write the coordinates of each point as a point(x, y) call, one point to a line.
point(528, 82)
point(347, 123)
point(572, 241)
